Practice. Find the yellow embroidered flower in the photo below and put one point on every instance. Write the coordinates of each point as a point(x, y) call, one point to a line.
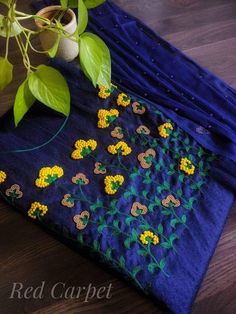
point(3, 176)
point(113, 183)
point(106, 117)
point(123, 100)
point(48, 175)
point(149, 237)
point(120, 148)
point(83, 148)
point(165, 129)
point(105, 92)
point(187, 166)
point(37, 210)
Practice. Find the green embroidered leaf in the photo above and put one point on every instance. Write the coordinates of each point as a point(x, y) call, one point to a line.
point(116, 224)
point(101, 228)
point(122, 262)
point(170, 173)
point(157, 201)
point(173, 237)
point(179, 192)
point(200, 152)
point(200, 164)
point(172, 166)
point(151, 207)
point(157, 167)
point(147, 181)
point(173, 222)
point(113, 203)
point(80, 238)
point(200, 184)
point(127, 194)
point(159, 189)
point(151, 267)
point(127, 243)
point(166, 245)
point(96, 245)
point(133, 191)
point(143, 252)
point(154, 143)
point(144, 226)
point(181, 177)
point(184, 219)
point(162, 263)
point(136, 270)
point(134, 235)
point(166, 212)
point(134, 175)
point(160, 229)
point(175, 134)
point(108, 254)
point(98, 204)
point(186, 141)
point(166, 185)
point(132, 139)
point(144, 193)
point(188, 148)
point(128, 220)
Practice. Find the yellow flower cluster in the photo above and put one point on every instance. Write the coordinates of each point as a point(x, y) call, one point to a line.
point(48, 175)
point(106, 117)
point(149, 237)
point(165, 129)
point(120, 148)
point(37, 210)
point(187, 166)
point(112, 183)
point(105, 92)
point(83, 148)
point(123, 100)
point(3, 176)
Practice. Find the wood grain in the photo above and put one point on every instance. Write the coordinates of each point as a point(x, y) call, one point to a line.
point(206, 31)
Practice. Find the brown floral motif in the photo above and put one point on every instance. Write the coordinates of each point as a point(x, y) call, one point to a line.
point(81, 220)
point(142, 129)
point(68, 201)
point(99, 168)
point(170, 200)
point(138, 209)
point(138, 108)
point(117, 132)
point(80, 179)
point(146, 158)
point(14, 191)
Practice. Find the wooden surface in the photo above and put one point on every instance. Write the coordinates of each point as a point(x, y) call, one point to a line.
point(206, 31)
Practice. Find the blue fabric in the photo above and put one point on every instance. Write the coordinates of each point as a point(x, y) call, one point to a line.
point(146, 64)
point(187, 228)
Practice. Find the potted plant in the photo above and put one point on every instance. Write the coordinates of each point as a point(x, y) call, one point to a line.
point(60, 35)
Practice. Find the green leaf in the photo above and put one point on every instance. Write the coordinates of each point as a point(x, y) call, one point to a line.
point(95, 59)
point(6, 69)
point(184, 219)
point(6, 2)
point(90, 4)
point(23, 101)
point(144, 193)
point(127, 243)
point(64, 3)
point(101, 228)
point(128, 220)
point(96, 245)
point(142, 253)
point(151, 267)
point(166, 245)
point(108, 253)
point(136, 270)
point(122, 262)
point(166, 212)
point(9, 29)
point(49, 86)
point(160, 229)
point(116, 224)
point(173, 237)
point(53, 50)
point(179, 192)
point(173, 222)
point(162, 263)
point(134, 235)
point(82, 17)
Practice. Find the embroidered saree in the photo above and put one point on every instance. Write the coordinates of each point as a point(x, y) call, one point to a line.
point(141, 176)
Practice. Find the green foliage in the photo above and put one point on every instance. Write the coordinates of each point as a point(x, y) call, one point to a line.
point(90, 4)
point(23, 101)
point(6, 69)
point(95, 59)
point(9, 29)
point(49, 86)
point(82, 17)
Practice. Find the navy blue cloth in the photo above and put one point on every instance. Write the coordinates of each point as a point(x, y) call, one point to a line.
point(182, 214)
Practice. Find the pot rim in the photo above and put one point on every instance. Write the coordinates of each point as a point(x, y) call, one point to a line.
point(52, 8)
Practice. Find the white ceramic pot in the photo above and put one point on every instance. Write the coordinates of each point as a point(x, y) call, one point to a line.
point(67, 49)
